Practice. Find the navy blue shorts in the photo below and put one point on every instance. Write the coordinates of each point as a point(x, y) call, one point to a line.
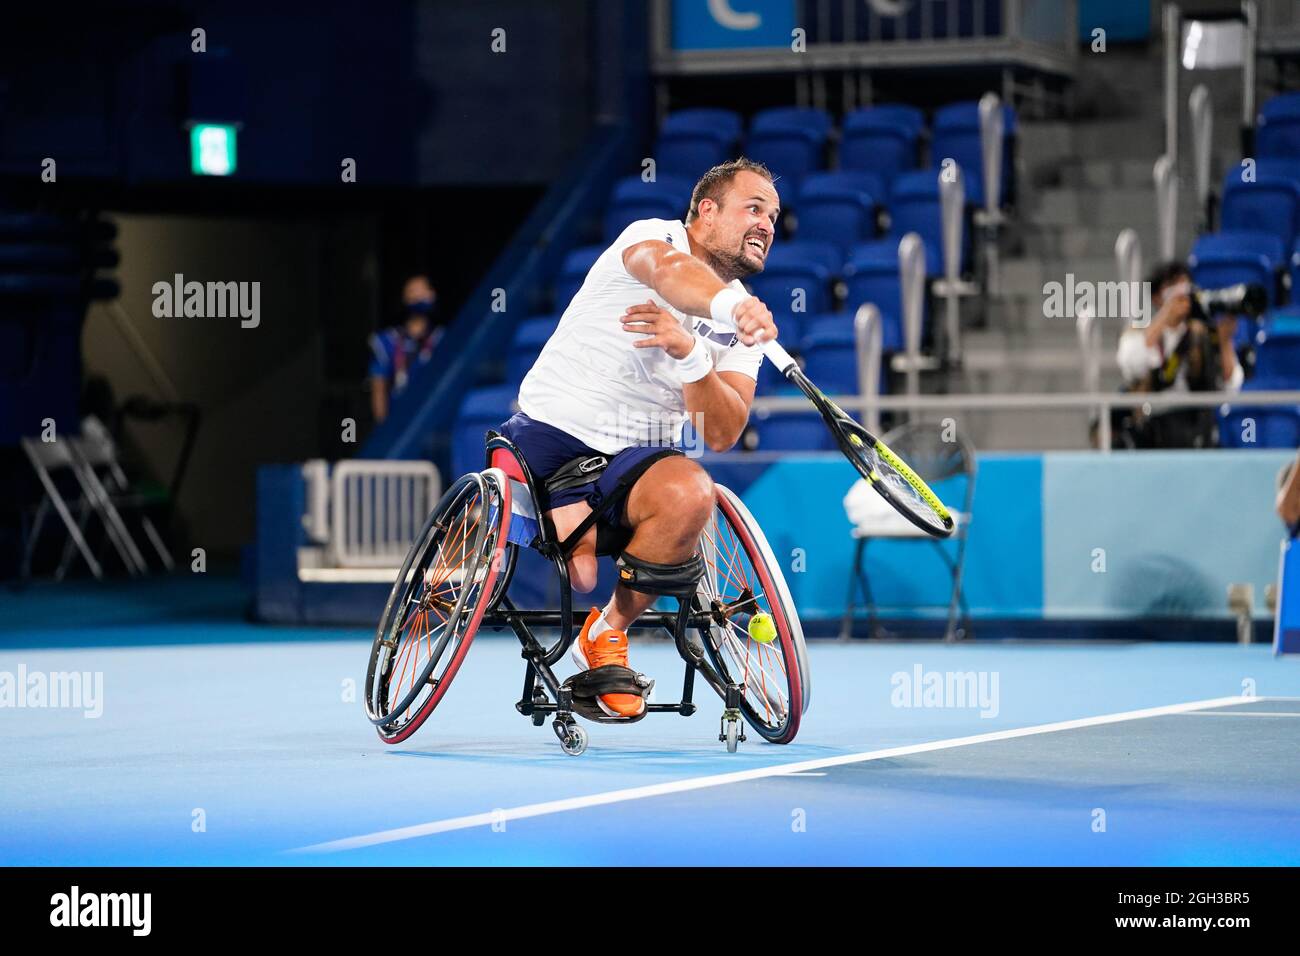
point(546, 448)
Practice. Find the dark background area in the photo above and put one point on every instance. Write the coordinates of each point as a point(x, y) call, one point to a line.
point(454, 145)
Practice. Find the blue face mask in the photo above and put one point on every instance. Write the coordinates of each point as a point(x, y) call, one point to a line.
point(421, 307)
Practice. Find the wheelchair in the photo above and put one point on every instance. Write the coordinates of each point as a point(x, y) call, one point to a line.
point(455, 581)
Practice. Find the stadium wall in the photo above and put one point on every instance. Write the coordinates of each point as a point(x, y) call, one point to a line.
point(1061, 535)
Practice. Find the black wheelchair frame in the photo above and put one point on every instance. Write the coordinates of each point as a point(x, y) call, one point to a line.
point(543, 693)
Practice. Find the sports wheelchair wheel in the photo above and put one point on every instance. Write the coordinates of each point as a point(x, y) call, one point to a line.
point(437, 603)
point(743, 578)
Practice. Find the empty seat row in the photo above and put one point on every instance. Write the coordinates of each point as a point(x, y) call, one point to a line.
point(793, 142)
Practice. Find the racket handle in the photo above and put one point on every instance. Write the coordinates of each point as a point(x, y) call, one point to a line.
point(779, 356)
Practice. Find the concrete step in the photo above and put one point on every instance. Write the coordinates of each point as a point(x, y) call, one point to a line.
point(1106, 173)
point(1108, 139)
point(1117, 208)
point(1028, 276)
point(1129, 173)
point(1062, 241)
point(1025, 315)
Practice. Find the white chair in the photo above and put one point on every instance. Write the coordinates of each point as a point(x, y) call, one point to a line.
point(924, 446)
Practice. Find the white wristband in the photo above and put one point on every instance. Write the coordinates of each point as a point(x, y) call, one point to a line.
point(722, 305)
point(697, 364)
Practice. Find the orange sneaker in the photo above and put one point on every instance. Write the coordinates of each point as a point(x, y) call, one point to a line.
point(610, 647)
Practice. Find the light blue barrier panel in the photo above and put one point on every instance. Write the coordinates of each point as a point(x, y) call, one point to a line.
point(799, 504)
point(1175, 527)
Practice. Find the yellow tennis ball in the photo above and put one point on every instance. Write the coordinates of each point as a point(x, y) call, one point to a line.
point(762, 629)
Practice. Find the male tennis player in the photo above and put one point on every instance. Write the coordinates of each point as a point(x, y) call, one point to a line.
point(662, 328)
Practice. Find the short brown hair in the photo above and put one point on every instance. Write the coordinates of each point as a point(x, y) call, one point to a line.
point(715, 182)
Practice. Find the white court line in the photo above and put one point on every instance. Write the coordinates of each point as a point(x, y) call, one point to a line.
point(740, 776)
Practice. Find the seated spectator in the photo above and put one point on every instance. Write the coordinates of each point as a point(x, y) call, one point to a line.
point(398, 350)
point(1175, 352)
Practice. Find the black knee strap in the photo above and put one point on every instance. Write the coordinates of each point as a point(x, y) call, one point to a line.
point(609, 679)
point(650, 578)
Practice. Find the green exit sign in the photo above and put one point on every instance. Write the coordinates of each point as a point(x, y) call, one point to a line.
point(212, 149)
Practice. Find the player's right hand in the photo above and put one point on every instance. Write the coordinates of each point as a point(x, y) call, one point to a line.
point(754, 321)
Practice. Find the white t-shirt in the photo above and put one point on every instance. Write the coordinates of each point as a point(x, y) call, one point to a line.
point(591, 382)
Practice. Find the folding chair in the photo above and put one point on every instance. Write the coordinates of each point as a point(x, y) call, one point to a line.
point(103, 491)
point(48, 460)
point(935, 459)
point(105, 479)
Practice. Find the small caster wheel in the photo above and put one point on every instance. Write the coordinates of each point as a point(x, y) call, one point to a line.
point(539, 718)
point(575, 742)
point(732, 734)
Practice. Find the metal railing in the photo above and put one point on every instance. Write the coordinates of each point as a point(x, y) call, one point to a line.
point(377, 508)
point(868, 407)
point(868, 35)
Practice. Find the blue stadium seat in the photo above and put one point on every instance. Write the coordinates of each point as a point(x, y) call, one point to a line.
point(791, 141)
point(816, 121)
point(789, 333)
point(722, 124)
point(839, 207)
point(1282, 104)
point(827, 254)
point(871, 275)
point(957, 136)
point(1277, 355)
point(1243, 241)
point(791, 267)
point(1226, 258)
point(530, 336)
point(882, 140)
point(1278, 127)
point(790, 154)
point(689, 153)
point(914, 207)
point(632, 199)
point(1269, 204)
point(483, 408)
point(829, 349)
point(573, 273)
point(1279, 167)
point(1276, 426)
point(791, 431)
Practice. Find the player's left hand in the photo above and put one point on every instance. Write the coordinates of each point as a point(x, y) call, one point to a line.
point(660, 328)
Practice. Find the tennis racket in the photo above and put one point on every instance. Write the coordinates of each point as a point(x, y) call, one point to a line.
point(884, 471)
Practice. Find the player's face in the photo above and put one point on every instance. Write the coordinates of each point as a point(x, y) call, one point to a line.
point(745, 224)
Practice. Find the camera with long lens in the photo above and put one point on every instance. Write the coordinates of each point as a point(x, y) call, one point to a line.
point(1243, 298)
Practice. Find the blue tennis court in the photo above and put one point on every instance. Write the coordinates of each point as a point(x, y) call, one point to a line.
point(221, 742)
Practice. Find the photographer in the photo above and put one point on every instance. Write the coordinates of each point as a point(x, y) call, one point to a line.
point(1288, 494)
point(1177, 351)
